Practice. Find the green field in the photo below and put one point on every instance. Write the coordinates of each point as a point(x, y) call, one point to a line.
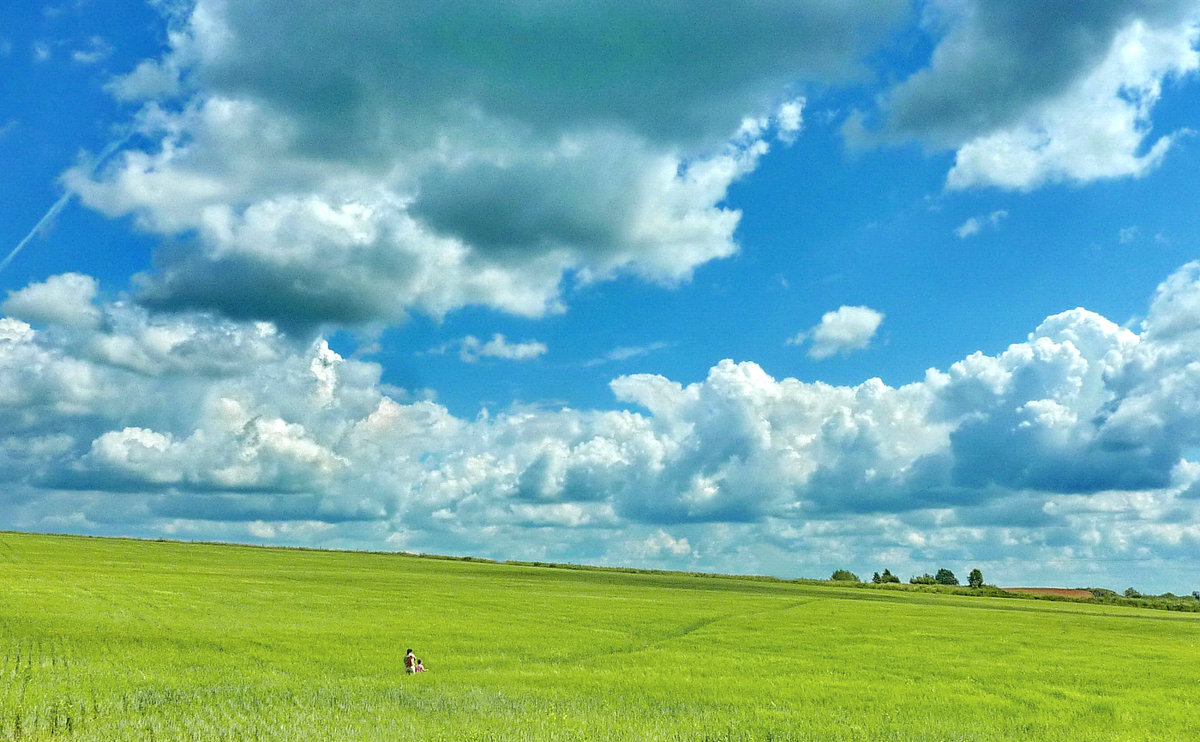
point(117, 639)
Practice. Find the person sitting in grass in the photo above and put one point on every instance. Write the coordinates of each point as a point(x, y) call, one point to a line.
point(410, 663)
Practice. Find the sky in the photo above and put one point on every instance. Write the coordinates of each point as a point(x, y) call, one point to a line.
point(773, 288)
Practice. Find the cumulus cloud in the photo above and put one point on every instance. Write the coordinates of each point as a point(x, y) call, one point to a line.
point(1073, 443)
point(1030, 92)
point(64, 299)
point(841, 331)
point(308, 171)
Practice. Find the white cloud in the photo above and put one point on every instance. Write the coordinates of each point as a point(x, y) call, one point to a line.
point(790, 118)
point(147, 81)
point(97, 50)
point(974, 225)
point(968, 228)
point(1071, 444)
point(1029, 95)
point(471, 349)
point(64, 299)
point(1095, 130)
point(657, 544)
point(627, 352)
point(288, 532)
point(841, 331)
point(338, 177)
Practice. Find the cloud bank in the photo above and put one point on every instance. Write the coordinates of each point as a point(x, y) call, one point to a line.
point(309, 165)
point(1075, 444)
point(313, 165)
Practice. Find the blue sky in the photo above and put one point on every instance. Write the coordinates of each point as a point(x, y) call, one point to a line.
point(782, 289)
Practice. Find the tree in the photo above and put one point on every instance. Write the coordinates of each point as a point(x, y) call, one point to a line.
point(876, 579)
point(975, 579)
point(1196, 594)
point(1131, 593)
point(887, 576)
point(844, 575)
point(945, 577)
point(925, 579)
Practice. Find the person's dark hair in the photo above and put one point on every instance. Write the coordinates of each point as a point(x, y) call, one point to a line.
point(409, 652)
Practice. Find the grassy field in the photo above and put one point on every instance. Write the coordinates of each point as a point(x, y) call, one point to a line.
point(115, 639)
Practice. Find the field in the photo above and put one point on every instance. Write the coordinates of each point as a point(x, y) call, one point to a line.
point(1060, 592)
point(115, 639)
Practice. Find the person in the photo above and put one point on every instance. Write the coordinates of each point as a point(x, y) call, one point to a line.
point(410, 663)
point(420, 666)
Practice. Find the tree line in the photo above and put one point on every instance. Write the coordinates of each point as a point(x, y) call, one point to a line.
point(945, 577)
point(942, 577)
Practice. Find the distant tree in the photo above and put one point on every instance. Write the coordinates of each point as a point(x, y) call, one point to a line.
point(887, 576)
point(975, 579)
point(925, 579)
point(1196, 594)
point(1131, 593)
point(844, 575)
point(945, 577)
point(876, 579)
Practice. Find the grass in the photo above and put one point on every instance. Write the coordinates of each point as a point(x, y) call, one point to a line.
point(115, 639)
